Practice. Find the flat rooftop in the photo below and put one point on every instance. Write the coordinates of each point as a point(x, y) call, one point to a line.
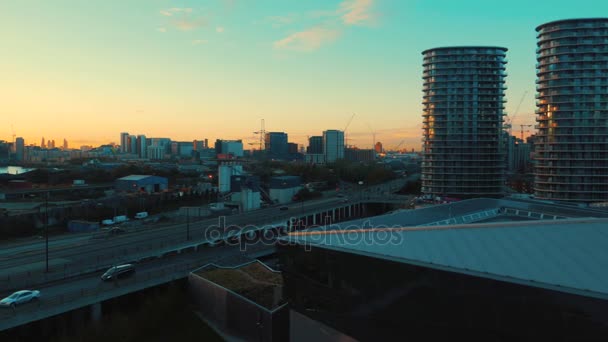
point(472, 211)
point(568, 255)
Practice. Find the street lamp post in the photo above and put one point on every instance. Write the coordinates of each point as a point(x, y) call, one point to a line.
point(46, 229)
point(187, 223)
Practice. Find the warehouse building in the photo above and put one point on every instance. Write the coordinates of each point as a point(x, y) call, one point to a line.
point(282, 189)
point(141, 183)
point(532, 280)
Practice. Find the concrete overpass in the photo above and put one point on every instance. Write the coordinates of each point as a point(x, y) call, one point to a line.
point(90, 290)
point(22, 265)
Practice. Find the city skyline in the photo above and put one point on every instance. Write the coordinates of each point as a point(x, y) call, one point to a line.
point(214, 69)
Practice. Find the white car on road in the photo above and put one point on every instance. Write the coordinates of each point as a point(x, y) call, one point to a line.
point(20, 297)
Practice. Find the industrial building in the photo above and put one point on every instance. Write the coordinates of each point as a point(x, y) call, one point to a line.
point(571, 149)
point(141, 183)
point(462, 121)
point(490, 269)
point(283, 188)
point(225, 172)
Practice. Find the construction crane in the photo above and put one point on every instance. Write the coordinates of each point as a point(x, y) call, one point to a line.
point(399, 145)
point(510, 120)
point(373, 136)
point(345, 128)
point(522, 130)
point(262, 133)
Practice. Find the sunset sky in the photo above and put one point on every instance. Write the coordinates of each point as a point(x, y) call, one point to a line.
point(192, 69)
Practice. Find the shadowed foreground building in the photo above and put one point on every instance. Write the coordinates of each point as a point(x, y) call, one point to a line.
point(462, 121)
point(572, 110)
point(534, 280)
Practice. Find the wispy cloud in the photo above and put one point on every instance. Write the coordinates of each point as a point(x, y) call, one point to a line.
point(184, 18)
point(219, 29)
point(357, 12)
point(200, 41)
point(189, 24)
point(348, 13)
point(173, 10)
point(162, 29)
point(278, 21)
point(308, 40)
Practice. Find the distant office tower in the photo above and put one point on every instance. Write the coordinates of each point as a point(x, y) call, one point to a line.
point(65, 144)
point(276, 144)
point(378, 147)
point(232, 147)
point(315, 145)
point(142, 146)
point(132, 144)
point(124, 142)
point(182, 148)
point(200, 144)
point(19, 149)
point(292, 148)
point(462, 121)
point(572, 110)
point(42, 143)
point(333, 145)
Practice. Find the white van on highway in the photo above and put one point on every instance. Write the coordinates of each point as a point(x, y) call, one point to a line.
point(141, 215)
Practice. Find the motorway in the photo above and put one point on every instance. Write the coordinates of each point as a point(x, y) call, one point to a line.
point(69, 294)
point(77, 261)
point(23, 264)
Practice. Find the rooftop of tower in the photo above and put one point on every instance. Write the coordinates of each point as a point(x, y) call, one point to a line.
point(465, 47)
point(569, 20)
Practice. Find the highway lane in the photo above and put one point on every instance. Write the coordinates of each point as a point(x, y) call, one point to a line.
point(84, 290)
point(12, 248)
point(145, 233)
point(83, 254)
point(25, 268)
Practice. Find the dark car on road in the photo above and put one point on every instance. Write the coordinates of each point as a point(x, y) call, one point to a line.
point(116, 231)
point(118, 272)
point(284, 208)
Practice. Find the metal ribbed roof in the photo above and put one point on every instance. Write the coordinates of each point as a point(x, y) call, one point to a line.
point(135, 177)
point(565, 255)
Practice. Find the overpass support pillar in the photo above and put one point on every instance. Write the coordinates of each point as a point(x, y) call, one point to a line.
point(96, 312)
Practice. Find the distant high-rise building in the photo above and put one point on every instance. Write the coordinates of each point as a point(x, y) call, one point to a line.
point(378, 147)
point(333, 145)
point(51, 144)
point(358, 155)
point(462, 121)
point(182, 148)
point(315, 145)
point(276, 144)
point(142, 146)
point(292, 148)
point(232, 147)
point(200, 144)
point(517, 154)
point(65, 144)
point(19, 149)
point(124, 142)
point(133, 144)
point(42, 143)
point(571, 149)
